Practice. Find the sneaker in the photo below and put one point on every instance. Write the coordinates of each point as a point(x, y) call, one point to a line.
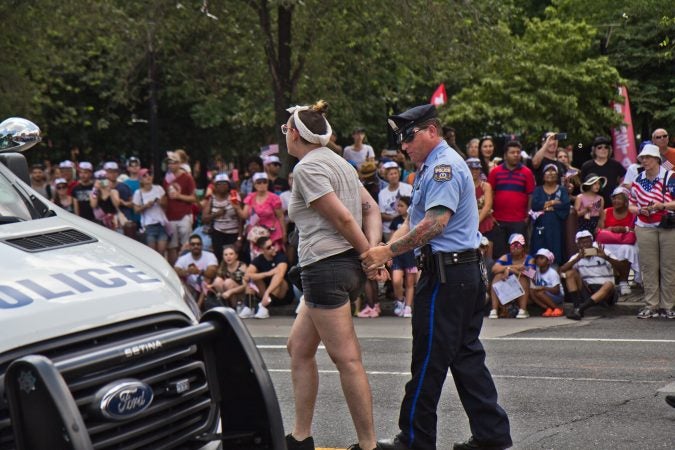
point(647, 313)
point(294, 444)
point(240, 307)
point(576, 314)
point(377, 308)
point(522, 314)
point(624, 289)
point(262, 313)
point(493, 314)
point(547, 313)
point(557, 312)
point(668, 314)
point(368, 312)
point(246, 313)
point(398, 307)
point(407, 312)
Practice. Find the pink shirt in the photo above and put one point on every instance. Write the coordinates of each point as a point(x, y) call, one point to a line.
point(266, 213)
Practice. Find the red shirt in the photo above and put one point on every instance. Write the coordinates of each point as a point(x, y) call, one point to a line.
point(512, 190)
point(185, 185)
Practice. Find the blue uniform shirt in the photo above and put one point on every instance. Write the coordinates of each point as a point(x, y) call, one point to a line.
point(444, 179)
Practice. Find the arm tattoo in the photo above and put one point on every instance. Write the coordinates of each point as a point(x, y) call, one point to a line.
point(365, 206)
point(431, 226)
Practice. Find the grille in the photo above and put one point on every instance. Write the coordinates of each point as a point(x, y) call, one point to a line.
point(171, 421)
point(50, 241)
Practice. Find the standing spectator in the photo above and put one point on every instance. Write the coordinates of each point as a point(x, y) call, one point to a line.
point(104, 201)
point(389, 196)
point(330, 210)
point(651, 199)
point(149, 201)
point(486, 151)
point(83, 189)
point(589, 275)
point(589, 205)
point(545, 289)
point(222, 215)
point(63, 199)
point(191, 266)
point(564, 158)
point(403, 267)
point(605, 166)
point(660, 139)
point(333, 145)
point(616, 231)
point(253, 165)
point(546, 155)
point(264, 208)
point(486, 222)
point(359, 152)
point(133, 181)
point(276, 183)
point(68, 173)
point(181, 193)
point(472, 148)
point(450, 136)
point(124, 204)
point(516, 262)
point(551, 206)
point(512, 184)
point(38, 181)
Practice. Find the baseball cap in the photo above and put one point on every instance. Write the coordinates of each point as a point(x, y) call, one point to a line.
point(404, 124)
point(143, 172)
point(222, 178)
point(620, 190)
point(599, 140)
point(85, 165)
point(172, 156)
point(60, 181)
point(547, 253)
point(583, 234)
point(271, 160)
point(133, 159)
point(99, 174)
point(111, 165)
point(67, 164)
point(551, 166)
point(517, 237)
point(390, 165)
point(473, 163)
point(259, 176)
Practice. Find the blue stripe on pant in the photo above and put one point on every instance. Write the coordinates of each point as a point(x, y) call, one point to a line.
point(446, 324)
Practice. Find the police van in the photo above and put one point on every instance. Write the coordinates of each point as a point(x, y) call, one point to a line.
point(100, 345)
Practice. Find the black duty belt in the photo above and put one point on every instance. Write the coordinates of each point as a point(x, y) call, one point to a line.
point(465, 257)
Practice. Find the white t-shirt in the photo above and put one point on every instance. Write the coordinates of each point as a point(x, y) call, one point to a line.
point(387, 199)
point(358, 156)
point(550, 278)
point(205, 260)
point(594, 269)
point(154, 214)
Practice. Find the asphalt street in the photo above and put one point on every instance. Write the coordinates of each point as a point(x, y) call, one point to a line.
point(599, 383)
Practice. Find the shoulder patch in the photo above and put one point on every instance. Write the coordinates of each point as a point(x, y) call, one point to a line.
point(443, 172)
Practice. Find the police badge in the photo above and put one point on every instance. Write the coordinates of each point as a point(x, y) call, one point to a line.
point(443, 172)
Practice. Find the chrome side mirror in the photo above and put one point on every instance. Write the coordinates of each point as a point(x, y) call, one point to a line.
point(17, 135)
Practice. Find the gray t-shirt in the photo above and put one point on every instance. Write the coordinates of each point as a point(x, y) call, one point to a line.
point(319, 173)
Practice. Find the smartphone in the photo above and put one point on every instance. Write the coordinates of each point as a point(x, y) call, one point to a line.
point(591, 251)
point(561, 136)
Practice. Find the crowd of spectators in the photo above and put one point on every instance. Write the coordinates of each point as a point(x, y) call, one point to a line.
point(552, 230)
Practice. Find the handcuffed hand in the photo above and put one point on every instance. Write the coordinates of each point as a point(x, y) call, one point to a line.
point(375, 257)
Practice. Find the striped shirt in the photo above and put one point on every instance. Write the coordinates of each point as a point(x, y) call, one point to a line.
point(512, 190)
point(645, 192)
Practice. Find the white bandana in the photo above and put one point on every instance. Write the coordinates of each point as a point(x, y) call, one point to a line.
point(305, 132)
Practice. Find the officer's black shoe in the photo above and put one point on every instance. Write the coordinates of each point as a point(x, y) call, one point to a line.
point(392, 444)
point(576, 314)
point(294, 444)
point(670, 399)
point(473, 444)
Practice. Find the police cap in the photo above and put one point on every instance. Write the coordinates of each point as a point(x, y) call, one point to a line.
point(404, 124)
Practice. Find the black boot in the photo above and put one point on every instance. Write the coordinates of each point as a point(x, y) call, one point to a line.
point(578, 312)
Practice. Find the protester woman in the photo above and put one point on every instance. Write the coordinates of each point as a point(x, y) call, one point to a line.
point(550, 206)
point(263, 208)
point(330, 208)
point(484, 201)
point(653, 203)
point(63, 199)
point(616, 231)
point(220, 213)
point(149, 201)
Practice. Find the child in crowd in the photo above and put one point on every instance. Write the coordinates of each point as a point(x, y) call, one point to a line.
point(208, 297)
point(404, 267)
point(545, 288)
point(589, 204)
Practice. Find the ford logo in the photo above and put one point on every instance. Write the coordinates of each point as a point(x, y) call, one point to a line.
point(123, 399)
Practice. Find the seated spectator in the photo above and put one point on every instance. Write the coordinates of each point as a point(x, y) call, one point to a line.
point(267, 279)
point(589, 275)
point(208, 297)
point(589, 205)
point(191, 266)
point(616, 231)
point(229, 282)
point(545, 289)
point(517, 262)
point(550, 208)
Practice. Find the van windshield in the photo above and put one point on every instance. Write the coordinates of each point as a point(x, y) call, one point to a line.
point(13, 206)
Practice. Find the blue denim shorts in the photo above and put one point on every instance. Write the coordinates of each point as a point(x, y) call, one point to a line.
point(333, 281)
point(155, 233)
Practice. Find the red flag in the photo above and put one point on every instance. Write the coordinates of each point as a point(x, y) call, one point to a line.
point(623, 138)
point(440, 97)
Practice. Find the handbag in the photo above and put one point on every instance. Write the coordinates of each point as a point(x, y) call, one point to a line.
point(668, 219)
point(610, 237)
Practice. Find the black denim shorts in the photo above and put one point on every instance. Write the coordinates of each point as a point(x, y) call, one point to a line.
point(333, 281)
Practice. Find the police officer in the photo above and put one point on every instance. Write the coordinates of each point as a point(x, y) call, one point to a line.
point(442, 227)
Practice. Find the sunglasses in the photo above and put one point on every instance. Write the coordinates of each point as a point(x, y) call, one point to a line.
point(261, 181)
point(63, 186)
point(269, 247)
point(195, 244)
point(601, 146)
point(663, 136)
point(408, 139)
point(516, 244)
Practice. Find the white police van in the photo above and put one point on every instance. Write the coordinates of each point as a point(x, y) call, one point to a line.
point(100, 346)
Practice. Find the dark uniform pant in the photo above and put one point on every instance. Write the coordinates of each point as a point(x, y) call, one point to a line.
point(446, 323)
